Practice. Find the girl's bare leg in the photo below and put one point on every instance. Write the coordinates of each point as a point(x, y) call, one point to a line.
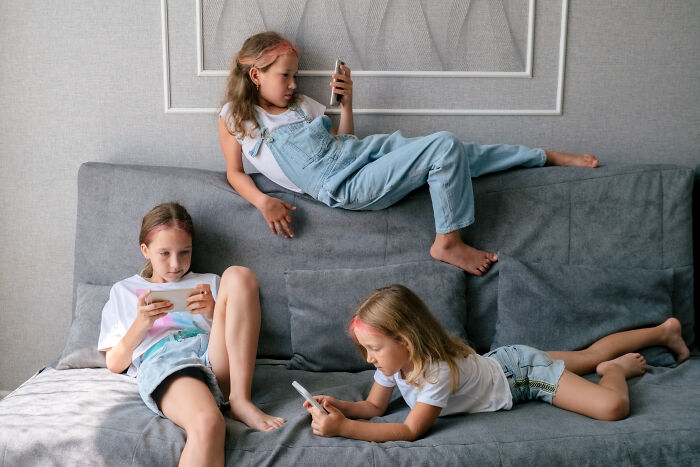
point(607, 400)
point(667, 334)
point(233, 345)
point(451, 249)
point(571, 160)
point(186, 400)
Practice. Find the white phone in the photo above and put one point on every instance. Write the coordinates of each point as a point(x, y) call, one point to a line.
point(335, 98)
point(178, 297)
point(302, 390)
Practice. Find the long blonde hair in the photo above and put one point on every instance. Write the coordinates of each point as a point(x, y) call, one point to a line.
point(165, 215)
point(259, 51)
point(395, 311)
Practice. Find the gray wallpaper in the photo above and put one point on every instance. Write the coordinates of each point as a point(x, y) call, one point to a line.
point(380, 35)
point(83, 81)
point(478, 57)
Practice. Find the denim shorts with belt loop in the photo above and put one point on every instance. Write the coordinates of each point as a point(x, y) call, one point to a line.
point(185, 349)
point(531, 373)
point(377, 171)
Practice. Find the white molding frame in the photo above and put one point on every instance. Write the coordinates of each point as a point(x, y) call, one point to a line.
point(527, 73)
point(558, 110)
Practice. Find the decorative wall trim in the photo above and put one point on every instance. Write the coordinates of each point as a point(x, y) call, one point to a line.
point(527, 73)
point(558, 109)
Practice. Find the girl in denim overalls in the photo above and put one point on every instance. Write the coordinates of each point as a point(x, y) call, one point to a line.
point(288, 139)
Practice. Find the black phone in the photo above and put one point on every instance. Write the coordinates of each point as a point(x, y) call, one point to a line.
point(335, 98)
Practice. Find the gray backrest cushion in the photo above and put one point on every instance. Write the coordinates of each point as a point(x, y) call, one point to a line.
point(80, 350)
point(622, 216)
point(322, 301)
point(696, 243)
point(561, 307)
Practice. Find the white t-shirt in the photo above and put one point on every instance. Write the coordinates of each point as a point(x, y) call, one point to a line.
point(482, 387)
point(264, 161)
point(120, 312)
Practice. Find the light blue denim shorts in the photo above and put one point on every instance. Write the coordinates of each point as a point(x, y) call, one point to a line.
point(531, 373)
point(174, 356)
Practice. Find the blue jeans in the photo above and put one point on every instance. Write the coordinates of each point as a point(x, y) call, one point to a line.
point(377, 171)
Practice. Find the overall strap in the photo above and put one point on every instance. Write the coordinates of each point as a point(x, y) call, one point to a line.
point(301, 113)
point(263, 133)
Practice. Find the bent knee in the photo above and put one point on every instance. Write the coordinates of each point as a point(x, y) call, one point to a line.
point(241, 276)
point(447, 137)
point(451, 147)
point(206, 425)
point(615, 408)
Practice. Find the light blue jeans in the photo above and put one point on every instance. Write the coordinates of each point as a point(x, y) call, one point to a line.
point(377, 171)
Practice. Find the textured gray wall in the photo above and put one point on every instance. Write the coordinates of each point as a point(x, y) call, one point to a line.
point(83, 81)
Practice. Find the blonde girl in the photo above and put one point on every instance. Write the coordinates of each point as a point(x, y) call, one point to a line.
point(286, 137)
point(439, 375)
point(187, 364)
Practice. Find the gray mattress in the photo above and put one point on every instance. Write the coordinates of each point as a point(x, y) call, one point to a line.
point(93, 417)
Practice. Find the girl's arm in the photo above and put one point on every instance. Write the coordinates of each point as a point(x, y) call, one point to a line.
point(275, 211)
point(375, 405)
point(118, 358)
point(418, 421)
point(343, 86)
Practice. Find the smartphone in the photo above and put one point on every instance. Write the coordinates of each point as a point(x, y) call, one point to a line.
point(335, 98)
point(302, 390)
point(178, 297)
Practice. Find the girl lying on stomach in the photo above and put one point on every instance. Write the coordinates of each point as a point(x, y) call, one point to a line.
point(438, 374)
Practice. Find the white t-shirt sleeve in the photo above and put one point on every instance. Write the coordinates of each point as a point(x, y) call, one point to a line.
point(111, 328)
point(386, 381)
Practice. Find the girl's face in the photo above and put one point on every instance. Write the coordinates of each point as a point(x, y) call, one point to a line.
point(277, 83)
point(386, 353)
point(170, 252)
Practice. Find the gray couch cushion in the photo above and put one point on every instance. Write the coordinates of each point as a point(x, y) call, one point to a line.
point(80, 350)
point(560, 307)
point(321, 303)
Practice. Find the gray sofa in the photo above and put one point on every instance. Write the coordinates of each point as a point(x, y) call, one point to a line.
point(583, 252)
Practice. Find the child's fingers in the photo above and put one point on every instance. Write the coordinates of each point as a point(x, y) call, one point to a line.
point(162, 306)
point(286, 226)
point(289, 206)
point(142, 297)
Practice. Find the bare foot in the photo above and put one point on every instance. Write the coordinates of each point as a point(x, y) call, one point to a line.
point(463, 256)
point(630, 364)
point(571, 160)
point(674, 340)
point(251, 415)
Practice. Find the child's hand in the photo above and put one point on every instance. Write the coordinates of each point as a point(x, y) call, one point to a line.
point(201, 302)
point(342, 84)
point(322, 399)
point(149, 313)
point(327, 424)
point(278, 216)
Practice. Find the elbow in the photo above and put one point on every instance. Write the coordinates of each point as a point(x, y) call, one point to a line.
point(412, 435)
point(113, 366)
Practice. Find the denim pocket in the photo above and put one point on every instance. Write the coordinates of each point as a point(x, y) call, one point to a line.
point(311, 141)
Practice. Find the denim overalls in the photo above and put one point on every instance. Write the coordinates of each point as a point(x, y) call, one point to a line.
point(377, 171)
